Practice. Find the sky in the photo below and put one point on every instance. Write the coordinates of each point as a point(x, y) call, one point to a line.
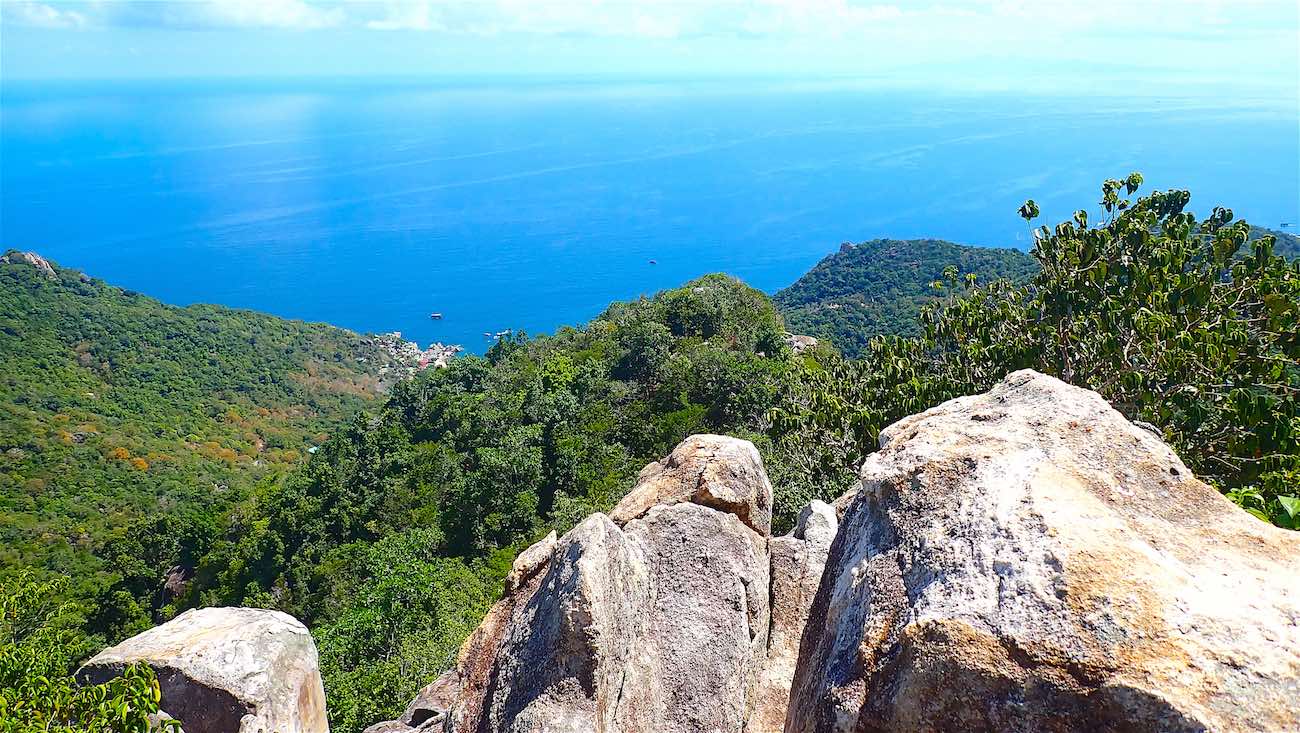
point(1215, 46)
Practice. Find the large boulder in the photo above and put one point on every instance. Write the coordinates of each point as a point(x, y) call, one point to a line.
point(1028, 560)
point(655, 617)
point(655, 626)
point(560, 653)
point(227, 670)
point(658, 624)
point(711, 470)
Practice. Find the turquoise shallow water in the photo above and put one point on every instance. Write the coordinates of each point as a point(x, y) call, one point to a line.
point(531, 206)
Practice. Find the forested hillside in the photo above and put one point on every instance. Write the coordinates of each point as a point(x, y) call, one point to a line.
point(1286, 244)
point(394, 541)
point(879, 287)
point(391, 542)
point(115, 406)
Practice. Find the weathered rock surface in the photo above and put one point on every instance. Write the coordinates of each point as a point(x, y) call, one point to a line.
point(530, 562)
point(227, 670)
point(1023, 560)
point(428, 711)
point(654, 618)
point(1028, 560)
point(30, 258)
point(655, 626)
point(799, 344)
point(797, 561)
point(712, 470)
point(660, 624)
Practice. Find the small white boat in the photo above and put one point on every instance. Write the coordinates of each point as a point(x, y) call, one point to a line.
point(436, 316)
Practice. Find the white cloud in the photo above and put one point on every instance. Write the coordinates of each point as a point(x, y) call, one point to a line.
point(818, 18)
point(814, 17)
point(960, 21)
point(627, 18)
point(407, 16)
point(40, 15)
point(290, 14)
point(184, 14)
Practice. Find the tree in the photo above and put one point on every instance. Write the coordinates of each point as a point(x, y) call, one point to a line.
point(1169, 317)
point(37, 649)
point(407, 611)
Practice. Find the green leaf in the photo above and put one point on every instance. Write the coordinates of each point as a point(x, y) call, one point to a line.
point(1291, 505)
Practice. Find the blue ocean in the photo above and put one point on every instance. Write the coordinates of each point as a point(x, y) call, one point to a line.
point(513, 205)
